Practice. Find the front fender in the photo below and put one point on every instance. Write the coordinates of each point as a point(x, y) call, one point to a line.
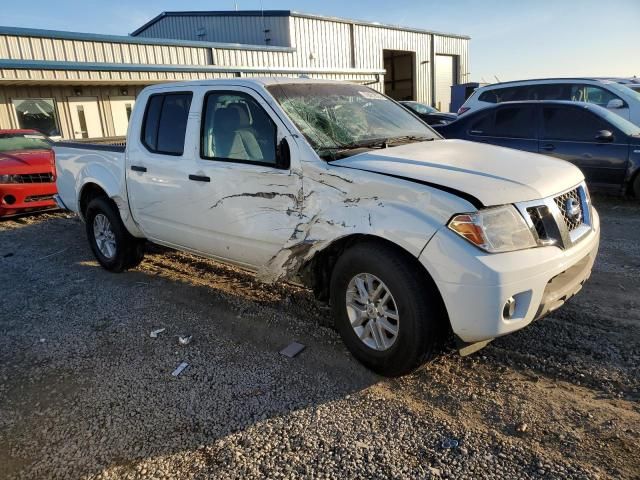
point(337, 205)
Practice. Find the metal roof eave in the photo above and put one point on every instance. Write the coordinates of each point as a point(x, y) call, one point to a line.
point(138, 67)
point(290, 13)
point(212, 13)
point(94, 37)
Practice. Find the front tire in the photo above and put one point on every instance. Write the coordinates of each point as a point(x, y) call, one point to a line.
point(386, 308)
point(112, 245)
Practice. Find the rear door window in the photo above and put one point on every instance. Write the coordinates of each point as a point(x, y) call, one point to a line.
point(165, 123)
point(571, 124)
point(506, 94)
point(509, 122)
point(550, 91)
point(483, 124)
point(514, 122)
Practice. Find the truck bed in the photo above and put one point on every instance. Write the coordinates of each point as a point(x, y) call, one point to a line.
point(100, 161)
point(110, 144)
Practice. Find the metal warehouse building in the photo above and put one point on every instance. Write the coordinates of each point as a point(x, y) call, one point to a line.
point(83, 85)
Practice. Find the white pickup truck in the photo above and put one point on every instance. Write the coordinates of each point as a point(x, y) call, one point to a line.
point(409, 237)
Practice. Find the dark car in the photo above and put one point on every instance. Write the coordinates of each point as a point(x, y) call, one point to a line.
point(605, 146)
point(428, 114)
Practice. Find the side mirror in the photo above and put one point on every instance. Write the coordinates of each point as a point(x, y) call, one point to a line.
point(615, 103)
point(604, 136)
point(283, 155)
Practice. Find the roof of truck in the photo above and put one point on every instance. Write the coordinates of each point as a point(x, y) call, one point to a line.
point(261, 81)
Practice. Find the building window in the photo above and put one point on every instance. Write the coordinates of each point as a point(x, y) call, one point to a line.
point(38, 114)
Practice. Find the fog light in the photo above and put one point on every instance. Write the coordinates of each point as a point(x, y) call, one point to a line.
point(9, 200)
point(509, 308)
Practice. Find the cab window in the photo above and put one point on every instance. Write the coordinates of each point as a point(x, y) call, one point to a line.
point(236, 128)
point(165, 123)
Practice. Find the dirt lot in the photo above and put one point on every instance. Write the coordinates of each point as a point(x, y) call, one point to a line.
point(86, 393)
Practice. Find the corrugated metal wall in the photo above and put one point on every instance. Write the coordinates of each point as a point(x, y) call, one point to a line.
point(320, 43)
point(245, 29)
point(42, 48)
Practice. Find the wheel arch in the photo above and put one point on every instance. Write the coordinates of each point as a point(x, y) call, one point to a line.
point(316, 272)
point(88, 192)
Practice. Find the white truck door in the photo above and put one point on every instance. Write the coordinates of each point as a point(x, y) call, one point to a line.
point(157, 166)
point(240, 205)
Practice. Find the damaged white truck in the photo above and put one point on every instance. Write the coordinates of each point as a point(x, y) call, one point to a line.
point(409, 237)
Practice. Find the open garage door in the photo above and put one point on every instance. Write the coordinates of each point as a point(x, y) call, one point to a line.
point(445, 78)
point(399, 80)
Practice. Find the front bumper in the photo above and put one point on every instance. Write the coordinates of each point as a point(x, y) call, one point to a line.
point(475, 285)
point(25, 197)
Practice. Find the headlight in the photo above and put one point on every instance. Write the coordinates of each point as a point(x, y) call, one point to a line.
point(500, 229)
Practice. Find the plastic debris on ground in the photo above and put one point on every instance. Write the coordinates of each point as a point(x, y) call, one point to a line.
point(292, 350)
point(155, 333)
point(185, 339)
point(180, 369)
point(449, 443)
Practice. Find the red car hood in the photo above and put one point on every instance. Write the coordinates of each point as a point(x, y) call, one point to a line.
point(26, 161)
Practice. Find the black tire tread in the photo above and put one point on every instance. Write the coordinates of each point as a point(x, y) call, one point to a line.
point(427, 304)
point(129, 249)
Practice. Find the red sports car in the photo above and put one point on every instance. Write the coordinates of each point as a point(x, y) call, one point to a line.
point(27, 172)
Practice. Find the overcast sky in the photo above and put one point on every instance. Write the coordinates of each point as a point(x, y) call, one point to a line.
point(509, 39)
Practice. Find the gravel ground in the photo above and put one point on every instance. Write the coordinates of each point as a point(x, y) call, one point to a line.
point(85, 392)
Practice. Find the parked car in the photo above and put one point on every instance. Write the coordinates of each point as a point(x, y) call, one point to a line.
point(27, 172)
point(609, 94)
point(430, 115)
point(334, 186)
point(603, 145)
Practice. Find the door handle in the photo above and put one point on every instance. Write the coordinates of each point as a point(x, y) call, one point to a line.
point(199, 178)
point(138, 168)
point(549, 147)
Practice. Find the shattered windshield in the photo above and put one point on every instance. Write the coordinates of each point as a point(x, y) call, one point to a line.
point(343, 119)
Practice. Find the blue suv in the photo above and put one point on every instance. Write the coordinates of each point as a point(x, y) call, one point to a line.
point(605, 146)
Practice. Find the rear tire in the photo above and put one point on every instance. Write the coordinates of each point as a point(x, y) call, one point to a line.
point(409, 325)
point(112, 245)
point(635, 187)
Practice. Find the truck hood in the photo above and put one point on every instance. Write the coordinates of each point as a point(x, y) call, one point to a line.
point(485, 174)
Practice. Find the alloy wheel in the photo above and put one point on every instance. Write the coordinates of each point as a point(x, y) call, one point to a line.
point(105, 238)
point(372, 311)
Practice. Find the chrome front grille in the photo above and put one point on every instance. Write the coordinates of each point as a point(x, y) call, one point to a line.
point(34, 178)
point(570, 206)
point(561, 220)
point(536, 218)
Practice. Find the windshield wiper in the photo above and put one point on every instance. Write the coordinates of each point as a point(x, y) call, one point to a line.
point(342, 151)
point(409, 139)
